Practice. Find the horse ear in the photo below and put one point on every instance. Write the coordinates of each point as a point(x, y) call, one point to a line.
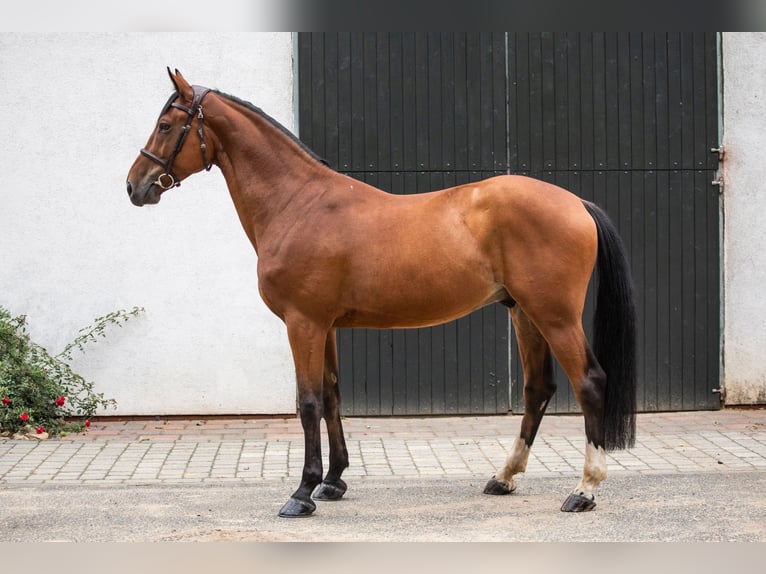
point(172, 79)
point(181, 85)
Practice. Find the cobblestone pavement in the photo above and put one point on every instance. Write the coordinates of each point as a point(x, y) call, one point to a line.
point(250, 449)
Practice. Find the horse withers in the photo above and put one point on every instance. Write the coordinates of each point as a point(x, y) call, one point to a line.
point(325, 260)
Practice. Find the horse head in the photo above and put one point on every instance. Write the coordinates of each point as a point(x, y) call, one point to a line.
point(165, 160)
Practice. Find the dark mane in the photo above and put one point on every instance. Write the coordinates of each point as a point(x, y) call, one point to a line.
point(274, 122)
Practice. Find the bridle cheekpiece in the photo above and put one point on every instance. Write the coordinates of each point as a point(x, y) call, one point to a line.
point(195, 110)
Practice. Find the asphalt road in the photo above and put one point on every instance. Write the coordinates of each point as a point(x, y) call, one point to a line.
point(689, 507)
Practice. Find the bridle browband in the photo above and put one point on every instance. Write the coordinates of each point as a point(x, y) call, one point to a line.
point(194, 110)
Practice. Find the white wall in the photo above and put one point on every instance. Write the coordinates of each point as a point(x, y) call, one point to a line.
point(74, 110)
point(744, 171)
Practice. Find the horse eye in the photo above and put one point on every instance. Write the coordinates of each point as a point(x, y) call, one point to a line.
point(164, 127)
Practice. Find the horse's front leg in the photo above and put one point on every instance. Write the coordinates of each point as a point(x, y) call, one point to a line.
point(333, 487)
point(307, 342)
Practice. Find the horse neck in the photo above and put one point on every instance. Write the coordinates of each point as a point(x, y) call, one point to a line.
point(265, 169)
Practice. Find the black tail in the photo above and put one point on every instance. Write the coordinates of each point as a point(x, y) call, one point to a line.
point(614, 328)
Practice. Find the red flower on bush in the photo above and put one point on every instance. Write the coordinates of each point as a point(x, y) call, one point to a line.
point(60, 401)
point(40, 429)
point(87, 423)
point(6, 401)
point(24, 417)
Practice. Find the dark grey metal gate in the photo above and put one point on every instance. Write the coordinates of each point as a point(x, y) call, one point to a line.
point(626, 120)
point(410, 113)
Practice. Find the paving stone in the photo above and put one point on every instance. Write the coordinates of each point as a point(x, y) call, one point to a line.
point(221, 450)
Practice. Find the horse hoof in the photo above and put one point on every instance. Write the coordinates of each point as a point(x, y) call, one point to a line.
point(295, 508)
point(498, 487)
point(330, 490)
point(578, 503)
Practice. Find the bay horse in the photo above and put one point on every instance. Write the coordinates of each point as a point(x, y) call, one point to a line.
point(325, 260)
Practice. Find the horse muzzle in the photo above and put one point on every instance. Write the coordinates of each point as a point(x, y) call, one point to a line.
point(145, 194)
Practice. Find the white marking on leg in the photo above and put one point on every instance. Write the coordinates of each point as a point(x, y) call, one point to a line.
point(594, 470)
point(516, 463)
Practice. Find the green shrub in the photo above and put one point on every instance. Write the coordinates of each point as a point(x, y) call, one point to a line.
point(39, 391)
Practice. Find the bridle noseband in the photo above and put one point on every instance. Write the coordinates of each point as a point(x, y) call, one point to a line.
point(194, 110)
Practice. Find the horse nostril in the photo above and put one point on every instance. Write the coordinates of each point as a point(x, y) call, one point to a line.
point(130, 189)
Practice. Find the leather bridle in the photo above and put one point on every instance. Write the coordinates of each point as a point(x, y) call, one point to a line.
point(194, 110)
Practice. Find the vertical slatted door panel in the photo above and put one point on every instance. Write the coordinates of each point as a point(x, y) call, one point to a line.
point(410, 113)
point(645, 109)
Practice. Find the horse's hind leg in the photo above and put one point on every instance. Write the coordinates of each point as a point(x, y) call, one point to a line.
point(332, 487)
point(588, 380)
point(539, 386)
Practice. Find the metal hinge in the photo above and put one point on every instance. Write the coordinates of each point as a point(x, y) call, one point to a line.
point(719, 150)
point(720, 391)
point(719, 180)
